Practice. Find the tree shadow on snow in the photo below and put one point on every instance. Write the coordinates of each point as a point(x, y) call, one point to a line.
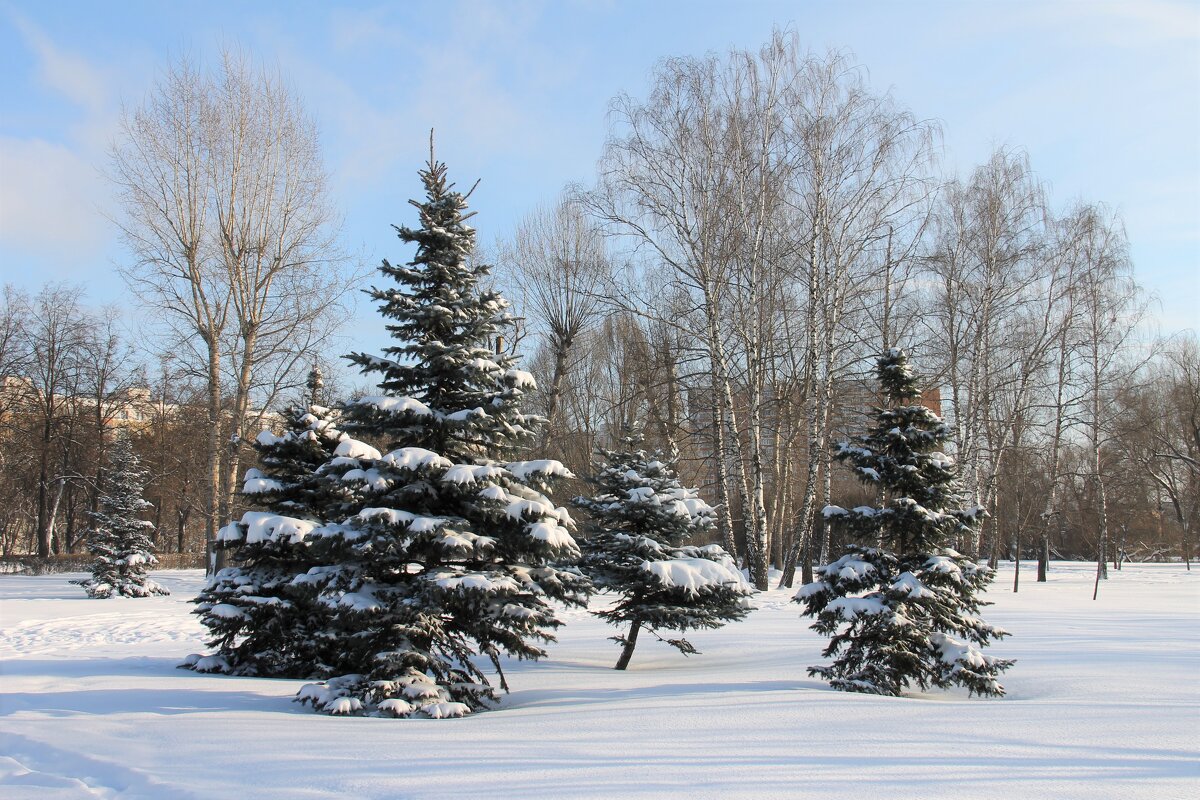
point(182, 692)
point(164, 702)
point(90, 667)
point(583, 696)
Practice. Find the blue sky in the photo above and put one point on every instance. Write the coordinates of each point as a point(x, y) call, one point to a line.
point(1104, 96)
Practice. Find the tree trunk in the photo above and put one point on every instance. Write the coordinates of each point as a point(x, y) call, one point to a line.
point(1044, 556)
point(561, 350)
point(757, 528)
point(1101, 555)
point(214, 505)
point(55, 545)
point(181, 518)
point(630, 643)
point(826, 499)
point(43, 509)
point(725, 516)
point(1017, 561)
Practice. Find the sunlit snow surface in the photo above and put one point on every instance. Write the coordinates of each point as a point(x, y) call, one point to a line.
point(1104, 701)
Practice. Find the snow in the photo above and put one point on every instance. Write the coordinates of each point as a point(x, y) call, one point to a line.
point(542, 466)
point(692, 574)
point(415, 458)
point(552, 534)
point(1102, 702)
point(416, 523)
point(226, 611)
point(353, 448)
point(521, 379)
point(485, 364)
point(850, 608)
point(465, 414)
point(848, 568)
point(263, 525)
point(371, 478)
point(396, 405)
point(255, 483)
point(480, 581)
point(908, 584)
point(520, 507)
point(471, 473)
point(267, 439)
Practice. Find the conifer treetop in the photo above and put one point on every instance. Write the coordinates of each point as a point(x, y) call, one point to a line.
point(901, 454)
point(444, 384)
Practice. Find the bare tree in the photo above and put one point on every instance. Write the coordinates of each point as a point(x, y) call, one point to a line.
point(862, 170)
point(226, 216)
point(558, 263)
point(987, 268)
point(106, 376)
point(1158, 430)
point(1109, 314)
point(660, 187)
point(55, 338)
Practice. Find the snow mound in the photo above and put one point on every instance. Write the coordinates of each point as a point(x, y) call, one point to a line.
point(692, 574)
point(542, 466)
point(353, 448)
point(396, 405)
point(415, 458)
point(262, 526)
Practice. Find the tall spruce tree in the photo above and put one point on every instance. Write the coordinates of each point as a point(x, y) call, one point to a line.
point(905, 612)
point(118, 539)
point(442, 549)
point(641, 519)
point(261, 611)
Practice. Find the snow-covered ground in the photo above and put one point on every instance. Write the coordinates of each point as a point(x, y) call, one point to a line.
point(1104, 701)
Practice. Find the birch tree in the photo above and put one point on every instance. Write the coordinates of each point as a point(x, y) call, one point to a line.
point(985, 256)
point(862, 165)
point(54, 340)
point(1110, 313)
point(661, 180)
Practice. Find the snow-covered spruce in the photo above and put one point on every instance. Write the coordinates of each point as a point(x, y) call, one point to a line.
point(641, 518)
point(443, 548)
point(261, 612)
point(904, 613)
point(119, 540)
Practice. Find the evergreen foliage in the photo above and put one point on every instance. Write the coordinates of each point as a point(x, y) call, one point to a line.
point(904, 612)
point(261, 614)
point(119, 539)
point(442, 549)
point(642, 518)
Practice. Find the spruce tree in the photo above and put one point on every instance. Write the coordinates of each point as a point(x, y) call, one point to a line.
point(443, 548)
point(118, 539)
point(641, 519)
point(905, 612)
point(261, 612)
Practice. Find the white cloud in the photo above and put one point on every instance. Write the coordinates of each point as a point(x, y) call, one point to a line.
point(74, 77)
point(49, 198)
point(51, 192)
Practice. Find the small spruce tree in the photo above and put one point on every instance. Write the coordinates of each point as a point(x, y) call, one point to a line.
point(904, 612)
point(260, 611)
point(641, 519)
point(119, 540)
